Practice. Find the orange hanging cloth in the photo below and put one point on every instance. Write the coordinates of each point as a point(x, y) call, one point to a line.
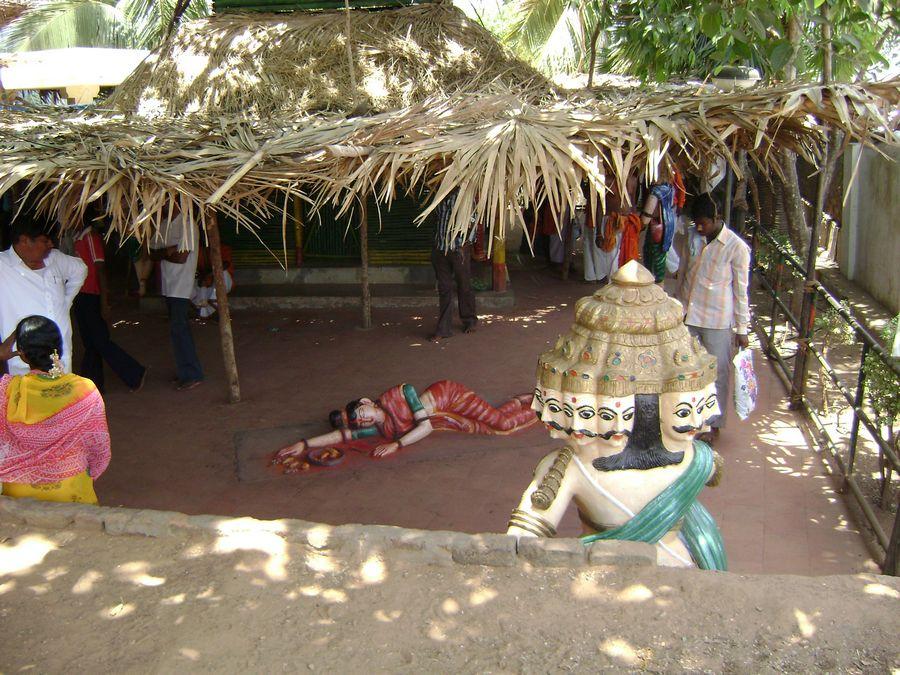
point(680, 191)
point(631, 230)
point(606, 235)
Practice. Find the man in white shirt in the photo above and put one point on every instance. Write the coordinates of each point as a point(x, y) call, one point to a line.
point(177, 246)
point(36, 279)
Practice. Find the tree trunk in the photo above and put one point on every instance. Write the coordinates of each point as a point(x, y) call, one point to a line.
point(225, 334)
point(595, 34)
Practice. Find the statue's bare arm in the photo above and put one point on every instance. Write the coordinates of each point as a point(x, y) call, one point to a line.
point(422, 429)
point(546, 499)
point(298, 448)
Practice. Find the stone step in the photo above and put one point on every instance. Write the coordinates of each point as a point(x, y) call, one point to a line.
point(400, 274)
point(324, 296)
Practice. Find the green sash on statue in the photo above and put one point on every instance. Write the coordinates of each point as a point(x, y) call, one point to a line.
point(679, 500)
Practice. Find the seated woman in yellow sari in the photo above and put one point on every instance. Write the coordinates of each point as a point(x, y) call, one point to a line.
point(54, 441)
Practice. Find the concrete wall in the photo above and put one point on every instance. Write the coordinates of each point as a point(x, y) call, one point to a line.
point(868, 250)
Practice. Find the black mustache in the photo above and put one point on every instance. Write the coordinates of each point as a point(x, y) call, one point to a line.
point(615, 432)
point(685, 429)
point(556, 426)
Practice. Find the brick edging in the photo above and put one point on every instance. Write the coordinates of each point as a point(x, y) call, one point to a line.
point(427, 546)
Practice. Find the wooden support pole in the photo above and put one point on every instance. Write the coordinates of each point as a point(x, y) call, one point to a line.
point(225, 334)
point(568, 243)
point(498, 265)
point(298, 232)
point(364, 268)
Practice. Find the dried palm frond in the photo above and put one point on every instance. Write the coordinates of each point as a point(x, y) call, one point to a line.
point(287, 65)
point(499, 151)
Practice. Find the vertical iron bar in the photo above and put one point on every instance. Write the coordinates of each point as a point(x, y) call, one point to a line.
point(857, 402)
point(807, 312)
point(892, 553)
point(776, 287)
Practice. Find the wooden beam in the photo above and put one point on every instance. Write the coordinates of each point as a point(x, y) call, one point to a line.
point(364, 267)
point(225, 334)
point(298, 232)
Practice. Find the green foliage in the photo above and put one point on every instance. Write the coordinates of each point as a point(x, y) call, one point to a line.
point(882, 386)
point(672, 39)
point(766, 255)
point(831, 327)
point(59, 24)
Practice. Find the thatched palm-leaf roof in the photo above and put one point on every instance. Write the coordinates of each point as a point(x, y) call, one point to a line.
point(10, 10)
point(285, 65)
point(499, 151)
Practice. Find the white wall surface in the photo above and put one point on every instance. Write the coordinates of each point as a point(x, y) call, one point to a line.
point(868, 249)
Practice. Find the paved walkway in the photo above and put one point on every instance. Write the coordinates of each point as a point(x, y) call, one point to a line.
point(776, 505)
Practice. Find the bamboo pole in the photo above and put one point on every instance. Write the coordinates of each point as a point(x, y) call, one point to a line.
point(364, 267)
point(225, 334)
point(498, 265)
point(808, 307)
point(298, 232)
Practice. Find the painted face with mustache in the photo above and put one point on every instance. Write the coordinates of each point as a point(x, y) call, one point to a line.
point(683, 415)
point(590, 418)
point(585, 418)
point(548, 406)
point(614, 421)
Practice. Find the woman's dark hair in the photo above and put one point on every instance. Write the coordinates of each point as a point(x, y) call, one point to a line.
point(37, 337)
point(351, 410)
point(335, 419)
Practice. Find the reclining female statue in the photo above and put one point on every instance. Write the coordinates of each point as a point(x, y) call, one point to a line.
point(401, 416)
point(628, 389)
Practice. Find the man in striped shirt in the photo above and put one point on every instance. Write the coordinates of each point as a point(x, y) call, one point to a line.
point(451, 257)
point(717, 308)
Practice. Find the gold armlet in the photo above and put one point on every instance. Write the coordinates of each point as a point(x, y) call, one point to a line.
point(718, 464)
point(531, 523)
point(543, 497)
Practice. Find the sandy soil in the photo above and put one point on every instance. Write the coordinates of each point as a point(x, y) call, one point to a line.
point(90, 602)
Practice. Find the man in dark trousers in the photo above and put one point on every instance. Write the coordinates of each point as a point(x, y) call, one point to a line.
point(451, 256)
point(91, 310)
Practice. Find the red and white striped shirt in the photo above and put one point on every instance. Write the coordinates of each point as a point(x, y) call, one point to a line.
point(89, 247)
point(716, 289)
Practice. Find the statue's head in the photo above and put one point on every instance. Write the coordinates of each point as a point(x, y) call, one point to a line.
point(358, 414)
point(628, 339)
point(585, 418)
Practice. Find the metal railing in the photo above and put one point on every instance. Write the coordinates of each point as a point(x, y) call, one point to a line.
point(777, 280)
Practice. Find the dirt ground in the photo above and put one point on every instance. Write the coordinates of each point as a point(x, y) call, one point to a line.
point(176, 450)
point(195, 453)
point(80, 601)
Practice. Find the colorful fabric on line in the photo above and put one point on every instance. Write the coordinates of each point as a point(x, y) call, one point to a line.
point(53, 429)
point(680, 190)
point(665, 195)
point(607, 234)
point(655, 258)
point(456, 408)
point(630, 225)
